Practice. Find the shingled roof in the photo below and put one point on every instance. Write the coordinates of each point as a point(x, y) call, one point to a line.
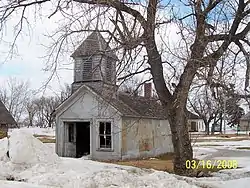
point(92, 45)
point(128, 104)
point(139, 106)
point(5, 116)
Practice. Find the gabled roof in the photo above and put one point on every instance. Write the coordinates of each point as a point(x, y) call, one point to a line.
point(5, 116)
point(191, 115)
point(130, 105)
point(92, 45)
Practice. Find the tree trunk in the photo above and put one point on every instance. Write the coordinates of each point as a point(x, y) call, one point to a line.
point(207, 127)
point(213, 127)
point(181, 141)
point(221, 121)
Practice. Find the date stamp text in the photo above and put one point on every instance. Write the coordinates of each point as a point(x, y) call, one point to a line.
point(211, 164)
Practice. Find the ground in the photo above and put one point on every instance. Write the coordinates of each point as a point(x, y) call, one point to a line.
point(32, 163)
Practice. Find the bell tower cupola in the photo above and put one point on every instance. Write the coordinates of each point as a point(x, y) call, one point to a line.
point(94, 62)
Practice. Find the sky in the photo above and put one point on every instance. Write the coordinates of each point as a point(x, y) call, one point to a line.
point(27, 65)
point(28, 62)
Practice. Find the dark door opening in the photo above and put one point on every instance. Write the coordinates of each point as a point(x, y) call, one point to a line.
point(82, 139)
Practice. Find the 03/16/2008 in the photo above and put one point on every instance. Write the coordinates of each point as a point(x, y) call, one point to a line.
point(211, 164)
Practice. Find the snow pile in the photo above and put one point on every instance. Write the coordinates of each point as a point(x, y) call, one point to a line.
point(201, 153)
point(26, 149)
point(3, 149)
point(36, 130)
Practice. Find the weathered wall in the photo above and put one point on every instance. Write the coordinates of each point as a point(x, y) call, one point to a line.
point(145, 137)
point(88, 107)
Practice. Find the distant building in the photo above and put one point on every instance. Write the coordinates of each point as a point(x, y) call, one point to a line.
point(99, 121)
point(245, 123)
point(6, 120)
point(195, 123)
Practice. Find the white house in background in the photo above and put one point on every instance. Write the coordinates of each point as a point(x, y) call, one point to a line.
point(196, 124)
point(99, 121)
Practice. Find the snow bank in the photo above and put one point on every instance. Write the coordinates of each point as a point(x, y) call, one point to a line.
point(3, 148)
point(201, 152)
point(26, 149)
point(12, 184)
point(36, 130)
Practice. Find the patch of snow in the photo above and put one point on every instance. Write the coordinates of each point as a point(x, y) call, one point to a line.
point(13, 184)
point(25, 149)
point(3, 148)
point(224, 144)
point(46, 170)
point(201, 152)
point(36, 131)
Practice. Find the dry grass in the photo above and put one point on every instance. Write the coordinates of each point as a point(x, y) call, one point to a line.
point(47, 140)
point(3, 134)
point(162, 163)
point(41, 135)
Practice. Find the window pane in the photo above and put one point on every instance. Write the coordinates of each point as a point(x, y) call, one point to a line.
point(102, 142)
point(108, 141)
point(108, 128)
point(101, 128)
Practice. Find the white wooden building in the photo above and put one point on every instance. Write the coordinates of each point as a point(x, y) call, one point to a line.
point(99, 121)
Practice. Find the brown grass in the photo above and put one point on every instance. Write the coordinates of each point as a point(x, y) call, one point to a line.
point(3, 134)
point(47, 140)
point(162, 163)
point(41, 135)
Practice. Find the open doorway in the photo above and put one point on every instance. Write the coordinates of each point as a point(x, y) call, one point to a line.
point(82, 139)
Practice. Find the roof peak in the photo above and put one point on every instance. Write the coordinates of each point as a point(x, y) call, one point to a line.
point(94, 44)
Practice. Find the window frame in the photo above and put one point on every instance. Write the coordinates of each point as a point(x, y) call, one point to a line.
point(99, 135)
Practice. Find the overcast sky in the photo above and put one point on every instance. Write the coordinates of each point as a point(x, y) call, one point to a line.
point(27, 65)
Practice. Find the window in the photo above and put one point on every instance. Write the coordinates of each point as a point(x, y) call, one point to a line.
point(105, 138)
point(71, 132)
point(87, 68)
point(193, 126)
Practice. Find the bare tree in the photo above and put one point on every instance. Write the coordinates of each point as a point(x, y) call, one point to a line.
point(205, 106)
point(50, 103)
point(65, 92)
point(31, 110)
point(13, 94)
point(212, 28)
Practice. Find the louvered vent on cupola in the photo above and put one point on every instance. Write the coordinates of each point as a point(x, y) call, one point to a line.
point(94, 60)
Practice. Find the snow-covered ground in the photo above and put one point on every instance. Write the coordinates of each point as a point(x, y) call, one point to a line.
point(35, 165)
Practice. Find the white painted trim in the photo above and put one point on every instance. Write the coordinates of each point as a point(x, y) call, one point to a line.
point(76, 96)
point(90, 120)
point(98, 120)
